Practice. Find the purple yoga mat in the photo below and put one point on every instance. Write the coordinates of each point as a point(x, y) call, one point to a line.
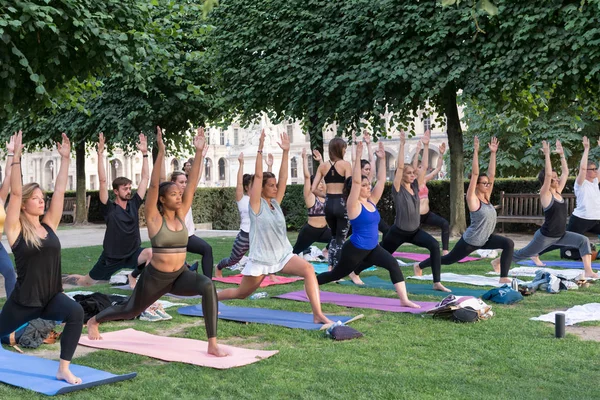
point(126, 287)
point(423, 257)
point(358, 301)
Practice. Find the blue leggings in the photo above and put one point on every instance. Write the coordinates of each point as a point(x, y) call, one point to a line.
point(7, 271)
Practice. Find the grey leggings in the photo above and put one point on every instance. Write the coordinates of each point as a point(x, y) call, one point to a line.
point(540, 242)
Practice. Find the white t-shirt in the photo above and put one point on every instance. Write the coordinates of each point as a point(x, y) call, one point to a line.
point(243, 206)
point(189, 223)
point(588, 200)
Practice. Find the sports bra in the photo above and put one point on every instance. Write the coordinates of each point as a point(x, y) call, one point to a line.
point(168, 241)
point(333, 176)
point(318, 209)
point(423, 192)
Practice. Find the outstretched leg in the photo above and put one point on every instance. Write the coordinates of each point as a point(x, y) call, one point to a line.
point(240, 246)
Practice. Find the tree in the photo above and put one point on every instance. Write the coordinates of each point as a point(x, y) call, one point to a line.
point(348, 60)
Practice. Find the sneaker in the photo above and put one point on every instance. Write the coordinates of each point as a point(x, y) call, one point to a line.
point(162, 313)
point(150, 316)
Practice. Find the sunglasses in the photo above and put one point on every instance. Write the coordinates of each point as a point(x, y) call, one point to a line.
point(484, 183)
point(592, 169)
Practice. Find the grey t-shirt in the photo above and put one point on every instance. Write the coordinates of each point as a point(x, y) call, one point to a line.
point(408, 207)
point(483, 223)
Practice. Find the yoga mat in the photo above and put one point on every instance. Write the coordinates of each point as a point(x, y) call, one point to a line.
point(288, 319)
point(189, 351)
point(358, 301)
point(530, 271)
point(126, 287)
point(476, 280)
point(237, 279)
point(560, 264)
point(39, 374)
point(321, 267)
point(375, 282)
point(423, 257)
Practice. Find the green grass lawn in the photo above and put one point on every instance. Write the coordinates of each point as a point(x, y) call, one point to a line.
point(400, 356)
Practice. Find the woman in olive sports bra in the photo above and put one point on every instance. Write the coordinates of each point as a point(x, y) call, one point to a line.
point(165, 210)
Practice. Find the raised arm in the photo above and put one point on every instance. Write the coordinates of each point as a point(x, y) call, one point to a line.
point(54, 214)
point(256, 188)
point(318, 176)
point(415, 160)
point(545, 194)
point(438, 166)
point(283, 170)
point(564, 167)
point(309, 197)
point(239, 187)
point(269, 162)
point(422, 172)
point(10, 149)
point(150, 205)
point(143, 148)
point(584, 161)
point(103, 191)
point(353, 149)
point(194, 175)
point(370, 154)
point(378, 189)
point(493, 145)
point(472, 200)
point(12, 225)
point(400, 162)
point(353, 205)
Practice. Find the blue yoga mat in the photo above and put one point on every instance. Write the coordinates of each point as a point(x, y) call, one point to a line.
point(39, 374)
point(289, 319)
point(321, 267)
point(560, 264)
point(375, 282)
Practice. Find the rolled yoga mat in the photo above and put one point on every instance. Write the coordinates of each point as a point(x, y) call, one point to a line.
point(39, 374)
point(289, 319)
point(189, 351)
point(375, 282)
point(358, 301)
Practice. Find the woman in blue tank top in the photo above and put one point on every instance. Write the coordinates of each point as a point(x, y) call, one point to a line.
point(363, 246)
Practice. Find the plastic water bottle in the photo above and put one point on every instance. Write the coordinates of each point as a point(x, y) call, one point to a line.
point(259, 295)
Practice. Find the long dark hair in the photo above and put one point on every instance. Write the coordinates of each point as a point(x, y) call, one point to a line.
point(163, 188)
point(247, 181)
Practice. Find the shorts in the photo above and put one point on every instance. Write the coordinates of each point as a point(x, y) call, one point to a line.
point(254, 268)
point(102, 271)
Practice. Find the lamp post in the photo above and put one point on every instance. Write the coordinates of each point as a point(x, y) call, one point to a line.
point(228, 147)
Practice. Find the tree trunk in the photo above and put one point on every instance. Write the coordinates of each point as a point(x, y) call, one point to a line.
point(81, 211)
point(455, 143)
point(316, 132)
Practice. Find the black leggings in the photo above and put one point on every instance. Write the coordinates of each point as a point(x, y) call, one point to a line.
point(309, 235)
point(352, 257)
point(200, 246)
point(337, 219)
point(433, 219)
point(577, 225)
point(463, 249)
point(153, 284)
point(59, 308)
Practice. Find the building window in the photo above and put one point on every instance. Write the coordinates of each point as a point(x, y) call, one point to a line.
point(427, 124)
point(294, 167)
point(93, 179)
point(207, 136)
point(221, 169)
point(221, 137)
point(290, 132)
point(207, 169)
point(174, 165)
point(311, 163)
point(236, 136)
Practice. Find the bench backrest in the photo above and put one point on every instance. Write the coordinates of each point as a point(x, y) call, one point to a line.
point(528, 204)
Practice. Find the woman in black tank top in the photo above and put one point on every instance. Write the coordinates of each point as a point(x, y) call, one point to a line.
point(38, 292)
point(553, 234)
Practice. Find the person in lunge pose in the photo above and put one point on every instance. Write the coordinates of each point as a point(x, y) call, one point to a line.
point(165, 210)
point(363, 247)
point(427, 216)
point(315, 229)
point(38, 292)
point(480, 234)
point(270, 249)
point(553, 233)
point(334, 173)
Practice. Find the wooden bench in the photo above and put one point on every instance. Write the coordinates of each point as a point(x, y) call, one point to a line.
point(70, 206)
point(526, 208)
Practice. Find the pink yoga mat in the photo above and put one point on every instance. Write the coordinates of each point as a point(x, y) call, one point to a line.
point(423, 257)
point(359, 301)
point(189, 351)
point(237, 279)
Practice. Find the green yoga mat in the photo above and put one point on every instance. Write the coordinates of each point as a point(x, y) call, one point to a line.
point(375, 282)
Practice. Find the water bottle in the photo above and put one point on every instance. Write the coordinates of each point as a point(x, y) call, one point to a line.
point(259, 295)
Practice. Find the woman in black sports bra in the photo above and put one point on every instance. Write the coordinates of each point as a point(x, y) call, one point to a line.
point(334, 173)
point(165, 211)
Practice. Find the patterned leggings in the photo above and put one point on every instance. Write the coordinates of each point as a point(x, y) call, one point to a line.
point(240, 247)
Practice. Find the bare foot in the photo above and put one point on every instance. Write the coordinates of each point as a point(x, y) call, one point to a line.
point(67, 376)
point(216, 351)
point(93, 331)
point(591, 275)
point(440, 287)
point(536, 260)
point(417, 269)
point(132, 281)
point(496, 265)
point(71, 280)
point(356, 279)
point(322, 319)
point(274, 278)
point(325, 253)
point(505, 280)
point(408, 303)
point(218, 273)
point(445, 252)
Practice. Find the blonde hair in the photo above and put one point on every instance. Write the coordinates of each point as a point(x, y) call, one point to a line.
point(27, 229)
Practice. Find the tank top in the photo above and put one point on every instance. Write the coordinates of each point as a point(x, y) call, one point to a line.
point(318, 209)
point(483, 223)
point(243, 207)
point(38, 270)
point(423, 192)
point(168, 241)
point(555, 219)
point(189, 223)
point(333, 176)
point(365, 231)
point(408, 208)
point(269, 243)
